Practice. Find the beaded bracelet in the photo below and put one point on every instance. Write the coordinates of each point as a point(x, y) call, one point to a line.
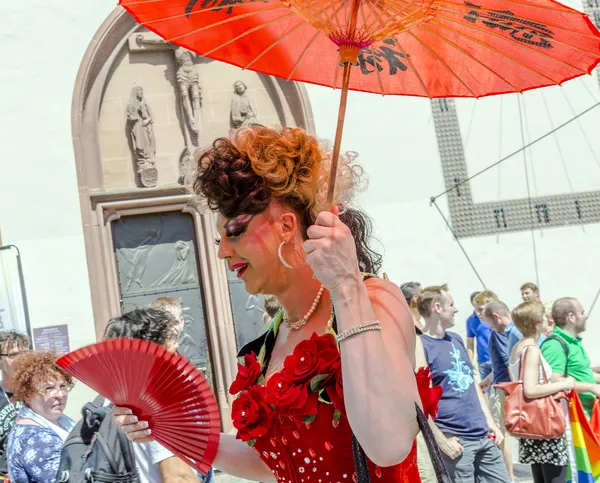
point(374, 325)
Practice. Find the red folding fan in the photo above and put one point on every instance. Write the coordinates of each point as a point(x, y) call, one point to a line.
point(159, 387)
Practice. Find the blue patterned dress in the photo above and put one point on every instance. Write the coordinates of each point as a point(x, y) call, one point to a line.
point(33, 454)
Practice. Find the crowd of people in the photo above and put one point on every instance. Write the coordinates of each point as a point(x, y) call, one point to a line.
point(35, 393)
point(354, 378)
point(538, 344)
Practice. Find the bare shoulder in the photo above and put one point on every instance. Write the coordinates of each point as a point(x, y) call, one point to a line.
point(391, 310)
point(533, 351)
point(384, 292)
point(389, 304)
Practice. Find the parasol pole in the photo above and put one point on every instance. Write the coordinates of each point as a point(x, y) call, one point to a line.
point(349, 51)
point(339, 130)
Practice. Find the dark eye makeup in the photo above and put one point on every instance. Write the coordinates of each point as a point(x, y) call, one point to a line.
point(236, 227)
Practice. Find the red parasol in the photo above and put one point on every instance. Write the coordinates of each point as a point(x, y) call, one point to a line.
point(428, 48)
point(160, 387)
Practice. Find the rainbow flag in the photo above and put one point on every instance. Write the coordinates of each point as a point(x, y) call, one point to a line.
point(585, 445)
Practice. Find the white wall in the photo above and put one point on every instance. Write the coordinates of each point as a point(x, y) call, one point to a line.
point(41, 47)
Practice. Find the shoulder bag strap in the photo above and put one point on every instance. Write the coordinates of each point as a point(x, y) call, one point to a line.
point(565, 348)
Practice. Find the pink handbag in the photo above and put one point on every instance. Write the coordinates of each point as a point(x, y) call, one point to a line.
point(539, 418)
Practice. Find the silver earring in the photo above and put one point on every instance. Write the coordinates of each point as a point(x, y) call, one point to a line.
point(281, 259)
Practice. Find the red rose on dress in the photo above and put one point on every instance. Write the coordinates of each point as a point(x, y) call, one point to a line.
point(329, 363)
point(430, 396)
point(335, 387)
point(284, 395)
point(303, 363)
point(324, 342)
point(247, 374)
point(251, 414)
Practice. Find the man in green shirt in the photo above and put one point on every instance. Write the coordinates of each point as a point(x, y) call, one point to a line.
point(570, 320)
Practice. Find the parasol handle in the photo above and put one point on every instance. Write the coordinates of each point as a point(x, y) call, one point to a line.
point(338, 133)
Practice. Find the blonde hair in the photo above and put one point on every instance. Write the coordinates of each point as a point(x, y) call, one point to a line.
point(429, 297)
point(527, 316)
point(485, 297)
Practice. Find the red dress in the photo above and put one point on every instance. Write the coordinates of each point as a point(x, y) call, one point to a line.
point(296, 422)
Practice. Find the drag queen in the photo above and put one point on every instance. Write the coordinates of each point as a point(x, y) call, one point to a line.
point(336, 364)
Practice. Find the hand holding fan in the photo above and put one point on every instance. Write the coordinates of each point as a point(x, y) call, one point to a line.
point(160, 387)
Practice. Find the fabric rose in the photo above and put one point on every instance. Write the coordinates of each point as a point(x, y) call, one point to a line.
point(284, 395)
point(303, 363)
point(324, 342)
point(251, 414)
point(335, 387)
point(430, 396)
point(247, 374)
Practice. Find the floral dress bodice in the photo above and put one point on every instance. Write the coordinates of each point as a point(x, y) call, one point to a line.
point(296, 421)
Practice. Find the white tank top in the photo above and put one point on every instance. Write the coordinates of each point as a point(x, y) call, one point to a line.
point(514, 368)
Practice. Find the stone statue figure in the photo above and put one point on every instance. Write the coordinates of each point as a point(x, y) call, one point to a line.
point(142, 137)
point(243, 107)
point(188, 81)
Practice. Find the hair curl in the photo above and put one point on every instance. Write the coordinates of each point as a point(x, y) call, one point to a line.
point(259, 165)
point(35, 368)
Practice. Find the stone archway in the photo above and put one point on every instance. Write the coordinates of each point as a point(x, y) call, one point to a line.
point(140, 106)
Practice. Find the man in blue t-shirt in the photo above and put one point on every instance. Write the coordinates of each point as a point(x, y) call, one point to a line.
point(478, 330)
point(463, 425)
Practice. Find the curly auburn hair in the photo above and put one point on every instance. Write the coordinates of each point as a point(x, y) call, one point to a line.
point(35, 368)
point(258, 165)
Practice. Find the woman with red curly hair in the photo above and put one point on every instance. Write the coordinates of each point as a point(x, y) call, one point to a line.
point(36, 440)
point(334, 371)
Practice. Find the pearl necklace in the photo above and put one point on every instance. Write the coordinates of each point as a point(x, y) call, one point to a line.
point(302, 322)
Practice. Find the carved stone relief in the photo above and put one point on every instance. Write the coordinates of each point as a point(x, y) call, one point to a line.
point(141, 131)
point(188, 93)
point(243, 107)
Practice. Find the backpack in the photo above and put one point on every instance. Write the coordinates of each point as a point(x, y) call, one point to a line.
point(97, 450)
point(565, 348)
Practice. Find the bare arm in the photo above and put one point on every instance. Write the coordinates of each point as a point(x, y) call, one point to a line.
point(531, 379)
point(237, 459)
point(378, 369)
point(377, 366)
point(471, 349)
point(175, 470)
point(450, 446)
point(233, 456)
point(579, 386)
